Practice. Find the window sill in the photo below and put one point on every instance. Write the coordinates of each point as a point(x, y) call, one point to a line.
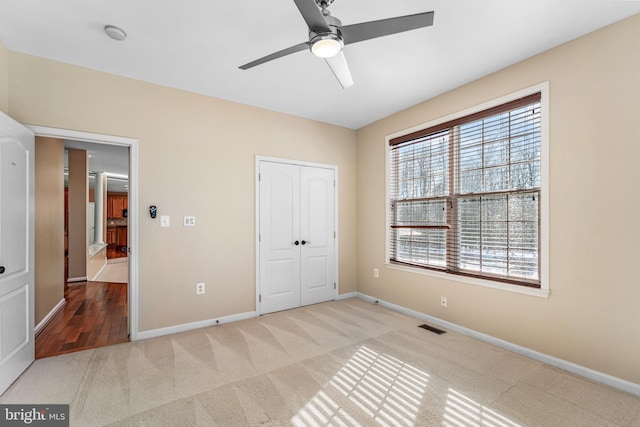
point(535, 292)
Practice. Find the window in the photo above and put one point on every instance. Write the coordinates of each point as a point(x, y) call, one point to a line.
point(465, 195)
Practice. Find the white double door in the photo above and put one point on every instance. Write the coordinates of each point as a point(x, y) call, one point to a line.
point(297, 238)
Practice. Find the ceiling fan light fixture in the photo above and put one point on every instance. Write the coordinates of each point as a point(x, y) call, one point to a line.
point(326, 45)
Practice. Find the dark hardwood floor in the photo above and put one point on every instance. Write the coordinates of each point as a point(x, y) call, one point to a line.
point(95, 315)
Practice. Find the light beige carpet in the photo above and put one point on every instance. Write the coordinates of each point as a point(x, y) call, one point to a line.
point(342, 363)
point(116, 271)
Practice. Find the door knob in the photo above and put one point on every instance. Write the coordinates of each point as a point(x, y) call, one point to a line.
point(297, 242)
point(1, 269)
point(304, 242)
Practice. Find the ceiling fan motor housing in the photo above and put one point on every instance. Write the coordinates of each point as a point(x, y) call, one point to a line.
point(327, 44)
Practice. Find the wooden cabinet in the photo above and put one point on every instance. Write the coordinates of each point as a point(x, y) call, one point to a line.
point(66, 208)
point(117, 242)
point(117, 233)
point(116, 207)
point(109, 207)
point(116, 204)
point(112, 235)
point(66, 256)
point(122, 236)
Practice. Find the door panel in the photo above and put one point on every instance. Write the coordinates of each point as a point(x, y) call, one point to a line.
point(317, 224)
point(13, 214)
point(14, 321)
point(16, 250)
point(317, 269)
point(282, 278)
point(279, 229)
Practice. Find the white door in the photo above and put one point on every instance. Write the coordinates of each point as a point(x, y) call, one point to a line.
point(17, 205)
point(279, 230)
point(317, 226)
point(297, 236)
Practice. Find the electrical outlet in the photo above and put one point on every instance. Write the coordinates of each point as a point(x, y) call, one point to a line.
point(200, 288)
point(376, 273)
point(443, 302)
point(189, 221)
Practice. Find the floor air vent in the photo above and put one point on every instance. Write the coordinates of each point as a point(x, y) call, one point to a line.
point(432, 329)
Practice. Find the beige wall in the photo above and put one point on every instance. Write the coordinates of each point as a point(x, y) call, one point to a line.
point(592, 317)
point(49, 225)
point(78, 163)
point(4, 79)
point(197, 157)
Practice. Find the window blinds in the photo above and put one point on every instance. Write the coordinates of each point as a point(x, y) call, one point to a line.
point(465, 195)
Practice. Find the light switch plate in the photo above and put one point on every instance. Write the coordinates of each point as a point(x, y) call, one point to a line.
point(189, 221)
point(164, 221)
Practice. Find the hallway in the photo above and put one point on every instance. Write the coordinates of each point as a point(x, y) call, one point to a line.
point(116, 271)
point(95, 315)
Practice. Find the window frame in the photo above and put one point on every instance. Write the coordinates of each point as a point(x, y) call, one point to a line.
point(543, 256)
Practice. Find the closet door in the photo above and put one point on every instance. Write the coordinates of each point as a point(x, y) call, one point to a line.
point(297, 241)
point(317, 226)
point(279, 230)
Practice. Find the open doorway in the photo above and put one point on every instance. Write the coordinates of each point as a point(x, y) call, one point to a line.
point(100, 293)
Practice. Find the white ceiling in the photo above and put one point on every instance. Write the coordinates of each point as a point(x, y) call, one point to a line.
point(113, 160)
point(198, 45)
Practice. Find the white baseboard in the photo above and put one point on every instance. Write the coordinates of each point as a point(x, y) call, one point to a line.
point(45, 321)
point(76, 279)
point(348, 295)
point(95, 276)
point(194, 325)
point(211, 322)
point(600, 377)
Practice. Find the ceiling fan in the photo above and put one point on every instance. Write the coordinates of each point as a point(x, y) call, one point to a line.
point(327, 35)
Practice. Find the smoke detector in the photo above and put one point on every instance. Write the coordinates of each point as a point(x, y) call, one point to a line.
point(115, 33)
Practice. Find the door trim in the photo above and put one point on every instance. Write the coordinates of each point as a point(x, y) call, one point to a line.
point(132, 207)
point(260, 159)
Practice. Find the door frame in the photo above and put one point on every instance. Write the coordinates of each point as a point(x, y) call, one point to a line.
point(132, 224)
point(260, 159)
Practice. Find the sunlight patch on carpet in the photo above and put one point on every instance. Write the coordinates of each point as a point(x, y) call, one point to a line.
point(464, 412)
point(383, 387)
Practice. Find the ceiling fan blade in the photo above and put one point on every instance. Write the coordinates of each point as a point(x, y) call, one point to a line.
point(384, 27)
point(338, 65)
point(279, 54)
point(312, 15)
